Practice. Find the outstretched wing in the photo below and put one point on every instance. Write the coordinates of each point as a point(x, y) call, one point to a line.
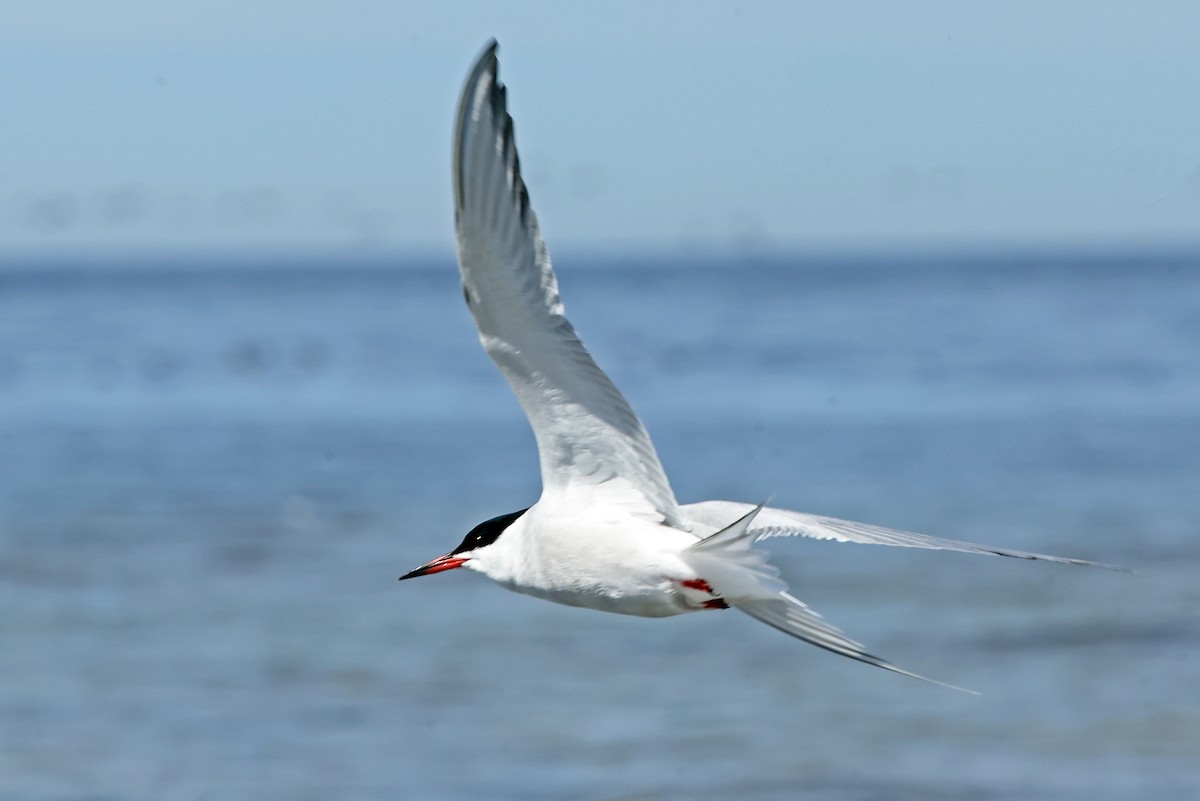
point(785, 523)
point(587, 435)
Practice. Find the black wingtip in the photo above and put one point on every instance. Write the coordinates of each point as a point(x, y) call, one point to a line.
point(485, 67)
point(487, 58)
point(485, 63)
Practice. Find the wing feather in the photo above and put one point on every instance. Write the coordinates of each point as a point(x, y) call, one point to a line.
point(586, 432)
point(786, 523)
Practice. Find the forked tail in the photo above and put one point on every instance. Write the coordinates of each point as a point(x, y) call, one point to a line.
point(742, 575)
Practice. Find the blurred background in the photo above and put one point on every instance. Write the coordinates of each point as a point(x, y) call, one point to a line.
point(933, 266)
point(160, 127)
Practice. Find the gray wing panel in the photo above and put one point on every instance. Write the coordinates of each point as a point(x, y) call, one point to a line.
point(587, 434)
point(773, 522)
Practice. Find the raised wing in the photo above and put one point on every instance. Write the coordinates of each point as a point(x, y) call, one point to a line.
point(587, 435)
point(785, 523)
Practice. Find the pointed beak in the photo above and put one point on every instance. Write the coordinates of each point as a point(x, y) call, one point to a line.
point(447, 562)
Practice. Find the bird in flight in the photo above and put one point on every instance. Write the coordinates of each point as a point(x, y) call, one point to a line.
point(607, 532)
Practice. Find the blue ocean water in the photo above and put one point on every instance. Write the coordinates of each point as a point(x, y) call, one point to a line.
point(211, 476)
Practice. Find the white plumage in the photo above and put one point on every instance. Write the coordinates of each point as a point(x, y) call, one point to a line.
point(607, 532)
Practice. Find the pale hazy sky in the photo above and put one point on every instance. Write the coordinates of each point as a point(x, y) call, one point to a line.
point(695, 126)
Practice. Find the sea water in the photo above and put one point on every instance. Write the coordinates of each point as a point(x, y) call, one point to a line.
point(212, 474)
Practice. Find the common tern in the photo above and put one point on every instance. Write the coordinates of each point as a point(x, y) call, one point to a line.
point(607, 532)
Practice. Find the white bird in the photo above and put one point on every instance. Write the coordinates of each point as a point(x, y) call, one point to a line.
point(607, 532)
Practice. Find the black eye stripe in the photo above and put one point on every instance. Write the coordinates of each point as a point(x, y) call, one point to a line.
point(487, 532)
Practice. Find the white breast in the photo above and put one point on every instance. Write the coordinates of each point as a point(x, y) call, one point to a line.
point(624, 564)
